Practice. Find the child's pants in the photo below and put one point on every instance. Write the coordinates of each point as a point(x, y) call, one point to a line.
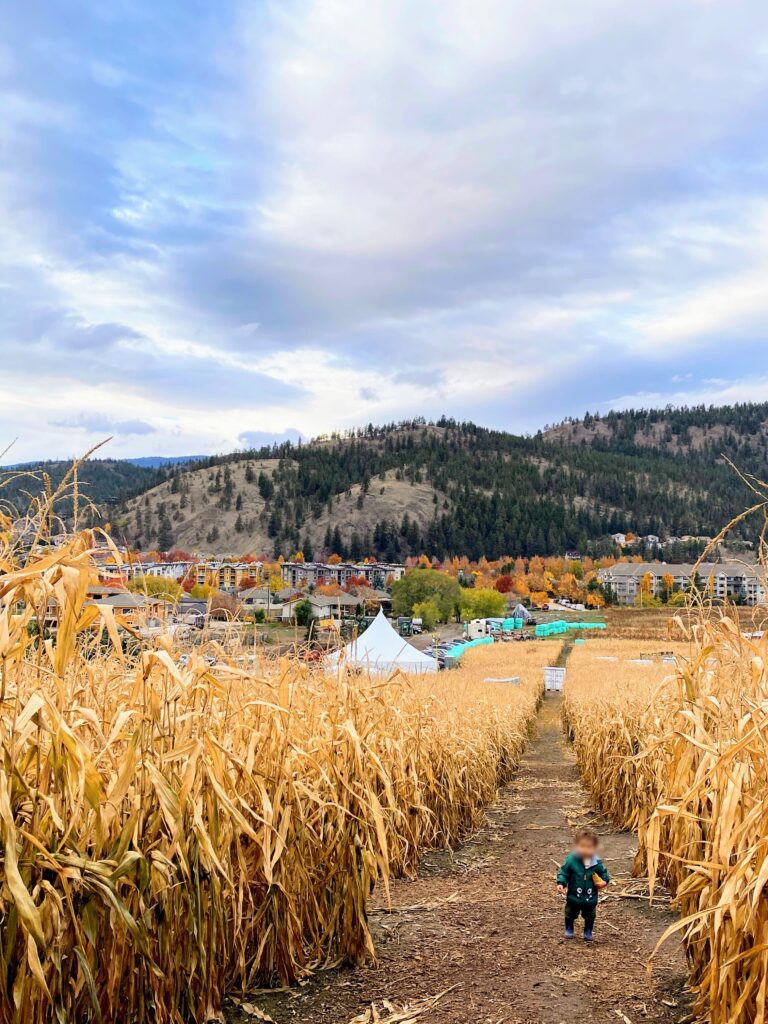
point(572, 911)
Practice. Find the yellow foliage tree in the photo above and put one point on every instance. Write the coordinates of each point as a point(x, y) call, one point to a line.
point(568, 586)
point(275, 583)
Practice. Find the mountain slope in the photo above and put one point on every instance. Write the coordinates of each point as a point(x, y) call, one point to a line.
point(220, 509)
point(739, 432)
point(101, 481)
point(455, 488)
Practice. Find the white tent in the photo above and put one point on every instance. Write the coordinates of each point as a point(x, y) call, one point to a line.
point(381, 649)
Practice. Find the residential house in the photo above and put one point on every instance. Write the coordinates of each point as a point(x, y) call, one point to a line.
point(339, 607)
point(136, 610)
point(262, 599)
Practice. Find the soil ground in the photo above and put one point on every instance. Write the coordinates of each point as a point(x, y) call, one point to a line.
point(485, 923)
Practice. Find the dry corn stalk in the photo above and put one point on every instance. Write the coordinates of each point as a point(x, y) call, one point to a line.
point(172, 833)
point(685, 761)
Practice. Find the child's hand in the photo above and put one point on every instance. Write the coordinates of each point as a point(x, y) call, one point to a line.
point(561, 889)
point(600, 883)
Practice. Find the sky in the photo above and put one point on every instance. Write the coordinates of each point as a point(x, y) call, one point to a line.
point(227, 223)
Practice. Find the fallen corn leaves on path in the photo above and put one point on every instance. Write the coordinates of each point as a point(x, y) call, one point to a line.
point(477, 936)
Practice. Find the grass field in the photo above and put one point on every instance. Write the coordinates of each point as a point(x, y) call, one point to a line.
point(651, 623)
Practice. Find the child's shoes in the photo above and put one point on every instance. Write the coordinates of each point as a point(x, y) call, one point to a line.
point(587, 934)
point(569, 929)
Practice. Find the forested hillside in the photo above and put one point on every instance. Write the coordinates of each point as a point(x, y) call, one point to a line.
point(449, 487)
point(738, 432)
point(101, 481)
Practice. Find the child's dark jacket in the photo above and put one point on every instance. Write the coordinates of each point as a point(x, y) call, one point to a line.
point(576, 875)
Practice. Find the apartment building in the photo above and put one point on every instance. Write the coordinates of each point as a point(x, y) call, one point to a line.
point(722, 580)
point(167, 570)
point(227, 576)
point(307, 574)
point(219, 574)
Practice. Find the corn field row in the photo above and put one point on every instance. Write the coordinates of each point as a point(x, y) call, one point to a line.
point(681, 755)
point(173, 834)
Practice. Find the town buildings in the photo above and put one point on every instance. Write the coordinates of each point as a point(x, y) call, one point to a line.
point(732, 580)
point(378, 575)
point(218, 574)
point(227, 576)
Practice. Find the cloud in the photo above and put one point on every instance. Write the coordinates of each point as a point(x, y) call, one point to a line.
point(97, 423)
point(265, 438)
point(324, 214)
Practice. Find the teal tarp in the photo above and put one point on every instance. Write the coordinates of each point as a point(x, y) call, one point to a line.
point(458, 649)
point(561, 626)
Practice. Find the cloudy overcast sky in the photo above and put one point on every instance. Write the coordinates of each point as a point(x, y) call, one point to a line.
point(222, 221)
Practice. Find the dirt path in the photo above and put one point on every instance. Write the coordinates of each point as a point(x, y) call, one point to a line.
point(490, 924)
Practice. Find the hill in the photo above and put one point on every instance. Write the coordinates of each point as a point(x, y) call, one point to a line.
point(103, 481)
point(738, 432)
point(449, 487)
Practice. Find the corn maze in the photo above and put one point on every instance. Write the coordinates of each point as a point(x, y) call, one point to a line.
point(173, 834)
point(680, 753)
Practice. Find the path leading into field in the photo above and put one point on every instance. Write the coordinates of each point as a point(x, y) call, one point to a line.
point(486, 923)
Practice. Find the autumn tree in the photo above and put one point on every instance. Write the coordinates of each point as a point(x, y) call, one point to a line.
point(224, 606)
point(482, 603)
point(424, 585)
point(156, 586)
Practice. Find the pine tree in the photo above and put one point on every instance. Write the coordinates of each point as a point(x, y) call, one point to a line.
point(165, 534)
point(337, 545)
point(355, 548)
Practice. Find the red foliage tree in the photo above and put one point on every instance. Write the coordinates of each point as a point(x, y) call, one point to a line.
point(179, 555)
